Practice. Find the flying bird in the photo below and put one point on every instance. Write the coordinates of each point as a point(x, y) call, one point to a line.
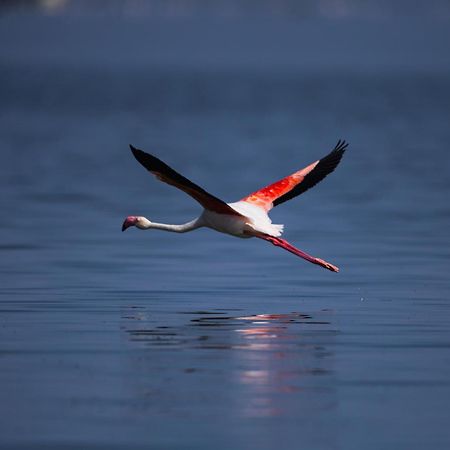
point(248, 217)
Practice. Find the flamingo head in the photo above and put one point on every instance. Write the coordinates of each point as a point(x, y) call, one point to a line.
point(134, 221)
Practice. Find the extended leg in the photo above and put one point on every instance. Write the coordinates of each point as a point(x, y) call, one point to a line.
point(290, 248)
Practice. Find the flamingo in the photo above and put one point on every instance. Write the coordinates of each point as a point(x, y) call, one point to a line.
point(248, 217)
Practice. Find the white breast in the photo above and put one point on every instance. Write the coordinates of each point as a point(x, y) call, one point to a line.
point(255, 219)
point(224, 223)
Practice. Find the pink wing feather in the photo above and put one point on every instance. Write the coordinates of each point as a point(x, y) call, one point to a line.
point(297, 183)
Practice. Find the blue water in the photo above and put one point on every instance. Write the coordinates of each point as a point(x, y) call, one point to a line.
point(163, 341)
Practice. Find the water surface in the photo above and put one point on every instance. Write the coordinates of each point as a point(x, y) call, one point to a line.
point(165, 341)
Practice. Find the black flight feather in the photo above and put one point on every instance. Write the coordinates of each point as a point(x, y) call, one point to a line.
point(324, 167)
point(170, 176)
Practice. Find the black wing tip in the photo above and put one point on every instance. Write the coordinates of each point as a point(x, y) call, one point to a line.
point(140, 155)
point(330, 162)
point(147, 160)
point(335, 156)
point(152, 163)
point(135, 150)
point(340, 147)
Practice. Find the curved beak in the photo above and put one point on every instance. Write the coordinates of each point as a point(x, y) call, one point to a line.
point(129, 222)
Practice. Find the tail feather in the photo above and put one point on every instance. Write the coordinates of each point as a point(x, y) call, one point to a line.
point(279, 228)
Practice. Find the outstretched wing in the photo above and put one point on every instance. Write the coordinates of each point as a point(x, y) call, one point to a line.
point(297, 183)
point(165, 173)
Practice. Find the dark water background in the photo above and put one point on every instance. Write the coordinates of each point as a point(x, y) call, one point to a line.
point(162, 341)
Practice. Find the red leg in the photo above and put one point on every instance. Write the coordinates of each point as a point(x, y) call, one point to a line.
point(290, 248)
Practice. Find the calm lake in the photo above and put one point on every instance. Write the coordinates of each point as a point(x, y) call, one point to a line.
point(153, 340)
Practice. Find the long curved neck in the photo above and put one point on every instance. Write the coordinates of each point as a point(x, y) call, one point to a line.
point(183, 228)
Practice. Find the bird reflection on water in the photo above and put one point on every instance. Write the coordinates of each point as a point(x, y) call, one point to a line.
point(268, 359)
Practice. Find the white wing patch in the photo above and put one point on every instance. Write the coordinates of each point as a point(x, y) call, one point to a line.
point(258, 218)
